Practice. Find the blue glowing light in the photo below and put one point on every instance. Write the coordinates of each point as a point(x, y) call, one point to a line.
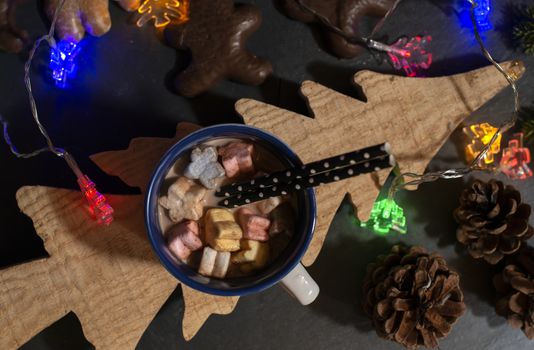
point(62, 61)
point(482, 12)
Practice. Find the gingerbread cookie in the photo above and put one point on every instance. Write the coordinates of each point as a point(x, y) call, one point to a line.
point(11, 38)
point(344, 14)
point(78, 16)
point(215, 35)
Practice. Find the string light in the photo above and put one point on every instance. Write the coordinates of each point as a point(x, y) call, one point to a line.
point(481, 135)
point(399, 182)
point(62, 61)
point(408, 54)
point(163, 12)
point(515, 159)
point(386, 215)
point(98, 206)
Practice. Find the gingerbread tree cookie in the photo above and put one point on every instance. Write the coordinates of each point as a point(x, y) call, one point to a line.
point(344, 14)
point(215, 35)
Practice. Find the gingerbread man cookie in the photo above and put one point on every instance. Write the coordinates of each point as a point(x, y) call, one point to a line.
point(344, 14)
point(80, 16)
point(11, 38)
point(215, 35)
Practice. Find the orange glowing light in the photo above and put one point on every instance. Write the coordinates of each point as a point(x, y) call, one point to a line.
point(481, 135)
point(163, 12)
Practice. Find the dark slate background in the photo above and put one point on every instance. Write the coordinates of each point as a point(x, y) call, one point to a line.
point(123, 90)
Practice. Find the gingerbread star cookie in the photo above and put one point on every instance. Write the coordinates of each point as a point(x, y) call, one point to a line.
point(215, 35)
point(344, 14)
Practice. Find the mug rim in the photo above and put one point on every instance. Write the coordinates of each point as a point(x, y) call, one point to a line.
point(157, 177)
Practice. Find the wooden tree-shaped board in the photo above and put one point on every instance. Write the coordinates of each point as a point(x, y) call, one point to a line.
point(415, 115)
point(110, 277)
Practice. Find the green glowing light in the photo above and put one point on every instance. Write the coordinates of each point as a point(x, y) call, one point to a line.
point(386, 216)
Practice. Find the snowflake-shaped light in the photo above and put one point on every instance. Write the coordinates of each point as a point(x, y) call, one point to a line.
point(62, 61)
point(386, 216)
point(163, 12)
point(411, 55)
point(481, 135)
point(516, 158)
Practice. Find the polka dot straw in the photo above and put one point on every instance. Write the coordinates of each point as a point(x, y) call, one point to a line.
point(314, 174)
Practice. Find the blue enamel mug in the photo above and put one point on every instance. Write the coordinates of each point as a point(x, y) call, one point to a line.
point(286, 269)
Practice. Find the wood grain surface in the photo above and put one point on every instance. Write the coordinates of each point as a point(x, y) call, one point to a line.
point(110, 277)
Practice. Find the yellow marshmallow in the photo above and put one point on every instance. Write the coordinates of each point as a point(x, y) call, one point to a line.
point(221, 231)
point(254, 253)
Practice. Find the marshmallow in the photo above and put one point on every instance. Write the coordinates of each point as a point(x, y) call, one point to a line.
point(188, 232)
point(267, 205)
point(214, 263)
point(204, 166)
point(237, 158)
point(222, 232)
point(183, 200)
point(282, 220)
point(254, 226)
point(183, 239)
point(178, 248)
point(254, 255)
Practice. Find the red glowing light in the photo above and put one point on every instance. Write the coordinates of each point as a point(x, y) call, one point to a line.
point(515, 159)
point(102, 211)
point(411, 55)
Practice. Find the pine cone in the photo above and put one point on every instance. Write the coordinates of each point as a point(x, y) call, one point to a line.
point(515, 286)
point(493, 221)
point(412, 297)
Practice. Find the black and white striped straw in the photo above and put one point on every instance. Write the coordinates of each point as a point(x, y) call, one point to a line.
point(313, 174)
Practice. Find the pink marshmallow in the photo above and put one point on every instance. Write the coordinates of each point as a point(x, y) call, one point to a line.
point(178, 248)
point(231, 167)
point(255, 226)
point(190, 225)
point(237, 158)
point(183, 239)
point(191, 240)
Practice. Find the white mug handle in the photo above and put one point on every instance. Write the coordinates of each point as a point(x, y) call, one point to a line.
point(300, 285)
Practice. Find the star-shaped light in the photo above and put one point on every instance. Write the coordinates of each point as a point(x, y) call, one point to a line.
point(516, 159)
point(163, 12)
point(480, 136)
